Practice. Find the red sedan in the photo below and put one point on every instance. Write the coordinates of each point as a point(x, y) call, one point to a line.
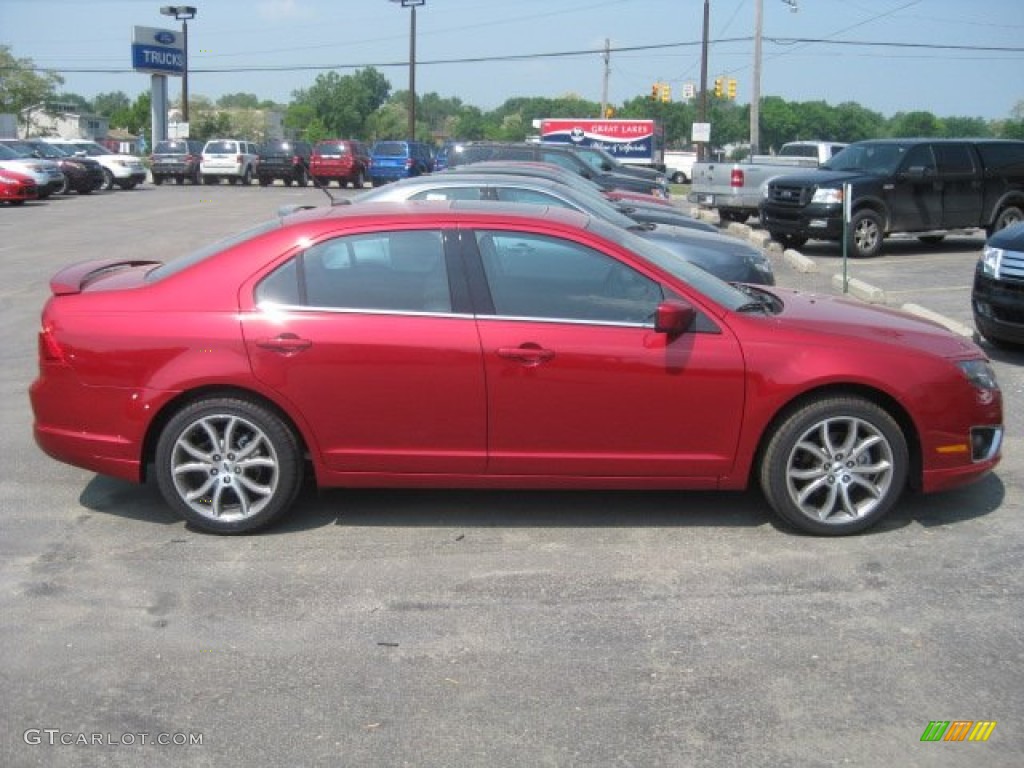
point(16, 188)
point(458, 345)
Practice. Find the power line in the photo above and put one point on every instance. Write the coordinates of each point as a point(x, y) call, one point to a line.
point(782, 41)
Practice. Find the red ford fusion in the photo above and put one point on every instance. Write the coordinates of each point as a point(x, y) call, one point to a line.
point(473, 345)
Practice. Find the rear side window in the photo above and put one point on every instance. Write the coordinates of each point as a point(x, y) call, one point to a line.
point(954, 159)
point(1002, 154)
point(382, 271)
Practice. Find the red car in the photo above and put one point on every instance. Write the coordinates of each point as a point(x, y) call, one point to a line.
point(345, 161)
point(458, 344)
point(16, 188)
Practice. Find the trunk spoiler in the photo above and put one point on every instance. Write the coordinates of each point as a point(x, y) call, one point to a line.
point(74, 278)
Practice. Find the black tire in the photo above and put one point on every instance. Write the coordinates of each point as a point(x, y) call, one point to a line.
point(835, 466)
point(738, 216)
point(126, 184)
point(228, 488)
point(931, 239)
point(789, 241)
point(210, 179)
point(158, 180)
point(264, 181)
point(679, 178)
point(179, 180)
point(1011, 214)
point(865, 235)
point(322, 181)
point(86, 190)
point(288, 181)
point(63, 188)
point(108, 179)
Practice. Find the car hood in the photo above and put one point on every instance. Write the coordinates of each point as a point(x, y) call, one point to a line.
point(823, 177)
point(848, 319)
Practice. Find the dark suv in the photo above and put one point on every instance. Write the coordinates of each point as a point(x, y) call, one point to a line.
point(345, 161)
point(176, 159)
point(286, 160)
point(393, 160)
point(475, 152)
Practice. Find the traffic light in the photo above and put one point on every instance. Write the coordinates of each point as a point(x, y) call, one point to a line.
point(666, 92)
point(732, 87)
point(654, 91)
point(718, 87)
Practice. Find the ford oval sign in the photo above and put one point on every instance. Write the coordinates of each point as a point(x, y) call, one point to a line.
point(164, 37)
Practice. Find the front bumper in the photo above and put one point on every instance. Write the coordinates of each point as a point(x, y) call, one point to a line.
point(998, 307)
point(815, 221)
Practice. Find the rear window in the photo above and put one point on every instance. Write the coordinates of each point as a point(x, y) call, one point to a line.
point(331, 148)
point(221, 147)
point(170, 147)
point(391, 149)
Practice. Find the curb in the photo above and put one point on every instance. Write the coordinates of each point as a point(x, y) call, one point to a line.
point(860, 289)
point(950, 325)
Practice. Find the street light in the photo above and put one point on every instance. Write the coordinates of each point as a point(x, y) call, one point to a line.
point(182, 13)
point(412, 5)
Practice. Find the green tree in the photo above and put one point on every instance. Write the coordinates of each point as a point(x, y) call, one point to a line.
point(239, 101)
point(907, 124)
point(22, 85)
point(135, 118)
point(107, 104)
point(343, 103)
point(966, 127)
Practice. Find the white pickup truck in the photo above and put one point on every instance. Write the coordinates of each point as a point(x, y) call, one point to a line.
point(735, 188)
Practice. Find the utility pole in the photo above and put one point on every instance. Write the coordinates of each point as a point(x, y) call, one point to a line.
point(755, 86)
point(607, 74)
point(702, 149)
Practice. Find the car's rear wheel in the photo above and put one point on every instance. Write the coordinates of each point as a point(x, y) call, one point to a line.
point(158, 180)
point(228, 465)
point(210, 179)
point(835, 466)
point(679, 178)
point(264, 181)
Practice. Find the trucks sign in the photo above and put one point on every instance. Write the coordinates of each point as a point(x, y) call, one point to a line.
point(158, 51)
point(629, 141)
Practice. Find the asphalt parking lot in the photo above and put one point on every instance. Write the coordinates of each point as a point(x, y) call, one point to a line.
point(429, 628)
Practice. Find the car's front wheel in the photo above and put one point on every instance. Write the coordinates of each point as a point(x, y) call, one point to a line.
point(228, 465)
point(1011, 214)
point(835, 466)
point(108, 179)
point(865, 234)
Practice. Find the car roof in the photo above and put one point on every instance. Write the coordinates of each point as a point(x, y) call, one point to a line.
point(434, 212)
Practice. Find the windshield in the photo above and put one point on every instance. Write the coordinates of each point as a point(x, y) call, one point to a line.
point(6, 153)
point(881, 159)
point(93, 150)
point(51, 151)
point(20, 148)
point(717, 290)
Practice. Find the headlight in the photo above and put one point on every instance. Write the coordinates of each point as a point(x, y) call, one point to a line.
point(980, 373)
point(992, 261)
point(827, 196)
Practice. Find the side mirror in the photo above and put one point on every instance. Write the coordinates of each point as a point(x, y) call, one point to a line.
point(673, 317)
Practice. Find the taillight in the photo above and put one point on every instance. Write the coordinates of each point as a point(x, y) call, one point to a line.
point(238, 158)
point(736, 178)
point(50, 350)
point(409, 162)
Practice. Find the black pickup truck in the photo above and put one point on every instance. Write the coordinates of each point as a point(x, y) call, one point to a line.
point(926, 187)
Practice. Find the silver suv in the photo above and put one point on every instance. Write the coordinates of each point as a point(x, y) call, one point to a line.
point(231, 159)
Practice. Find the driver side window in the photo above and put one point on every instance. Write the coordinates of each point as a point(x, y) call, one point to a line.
point(548, 278)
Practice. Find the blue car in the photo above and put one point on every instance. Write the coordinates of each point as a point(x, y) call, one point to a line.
point(393, 160)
